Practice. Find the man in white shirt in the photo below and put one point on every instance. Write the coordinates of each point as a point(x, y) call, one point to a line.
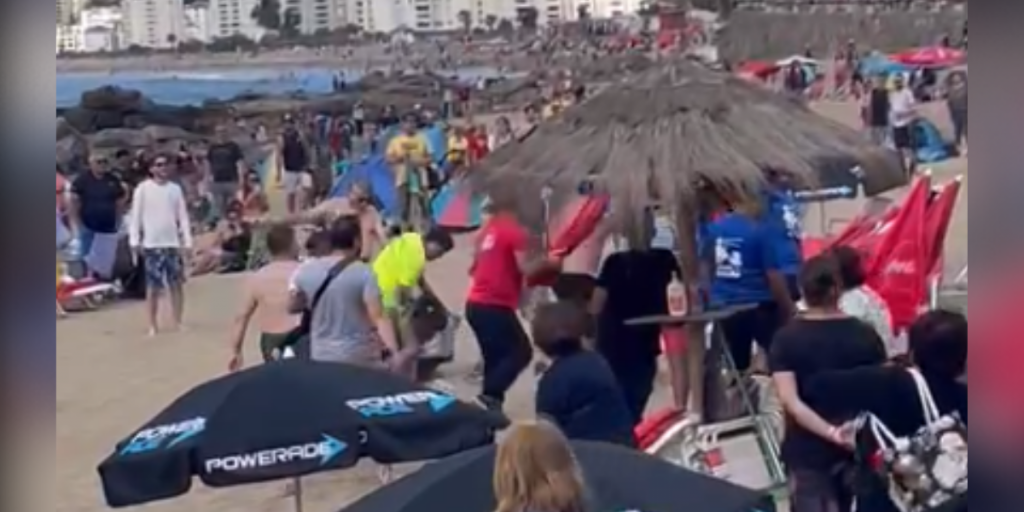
point(160, 235)
point(902, 116)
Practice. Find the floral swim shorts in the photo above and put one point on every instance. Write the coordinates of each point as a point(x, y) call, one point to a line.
point(164, 267)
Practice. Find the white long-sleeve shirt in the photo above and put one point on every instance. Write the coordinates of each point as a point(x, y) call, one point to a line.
point(159, 217)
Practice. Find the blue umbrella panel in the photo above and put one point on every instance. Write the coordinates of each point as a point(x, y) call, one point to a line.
point(288, 420)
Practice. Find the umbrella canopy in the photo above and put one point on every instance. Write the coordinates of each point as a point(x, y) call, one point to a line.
point(285, 420)
point(618, 479)
point(667, 133)
point(931, 56)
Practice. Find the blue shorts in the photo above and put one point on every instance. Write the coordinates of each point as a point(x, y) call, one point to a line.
point(164, 267)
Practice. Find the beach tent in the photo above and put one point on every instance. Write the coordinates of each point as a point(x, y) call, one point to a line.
point(456, 207)
point(437, 143)
point(931, 147)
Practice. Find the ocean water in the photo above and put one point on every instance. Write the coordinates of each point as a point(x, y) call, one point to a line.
point(192, 88)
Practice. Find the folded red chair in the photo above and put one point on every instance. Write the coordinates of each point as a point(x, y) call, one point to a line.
point(582, 223)
point(650, 430)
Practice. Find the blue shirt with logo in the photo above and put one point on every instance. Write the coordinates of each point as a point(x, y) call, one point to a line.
point(784, 230)
point(741, 254)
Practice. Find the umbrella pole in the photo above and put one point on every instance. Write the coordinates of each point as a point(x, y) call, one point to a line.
point(297, 495)
point(545, 197)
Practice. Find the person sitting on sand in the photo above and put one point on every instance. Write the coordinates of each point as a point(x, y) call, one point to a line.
point(266, 298)
point(252, 197)
point(226, 248)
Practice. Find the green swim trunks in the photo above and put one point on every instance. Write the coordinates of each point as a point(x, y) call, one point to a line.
point(271, 345)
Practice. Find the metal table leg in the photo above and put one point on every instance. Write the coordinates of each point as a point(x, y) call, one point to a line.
point(766, 435)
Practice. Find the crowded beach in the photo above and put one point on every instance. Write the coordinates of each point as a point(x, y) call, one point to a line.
point(696, 288)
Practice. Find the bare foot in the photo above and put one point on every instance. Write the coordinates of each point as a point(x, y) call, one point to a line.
point(153, 332)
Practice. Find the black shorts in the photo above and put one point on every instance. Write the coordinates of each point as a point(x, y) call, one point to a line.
point(742, 330)
point(903, 137)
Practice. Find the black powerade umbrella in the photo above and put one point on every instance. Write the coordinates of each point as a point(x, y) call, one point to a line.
point(287, 420)
point(618, 480)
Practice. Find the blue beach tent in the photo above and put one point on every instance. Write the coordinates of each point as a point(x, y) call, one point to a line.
point(931, 147)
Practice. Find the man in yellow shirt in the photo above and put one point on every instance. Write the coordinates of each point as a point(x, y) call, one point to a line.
point(400, 268)
point(408, 154)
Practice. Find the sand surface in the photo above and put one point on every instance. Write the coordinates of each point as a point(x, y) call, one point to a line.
point(111, 379)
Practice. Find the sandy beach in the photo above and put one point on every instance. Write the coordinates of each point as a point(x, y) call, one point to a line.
point(111, 378)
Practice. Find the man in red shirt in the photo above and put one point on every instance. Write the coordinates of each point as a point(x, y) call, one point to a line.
point(497, 280)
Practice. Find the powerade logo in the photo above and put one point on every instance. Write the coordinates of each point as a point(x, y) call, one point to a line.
point(405, 403)
point(164, 436)
point(323, 452)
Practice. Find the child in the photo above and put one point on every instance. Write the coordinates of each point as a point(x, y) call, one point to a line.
point(578, 392)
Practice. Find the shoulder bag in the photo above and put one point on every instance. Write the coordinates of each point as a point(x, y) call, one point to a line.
point(302, 331)
point(927, 470)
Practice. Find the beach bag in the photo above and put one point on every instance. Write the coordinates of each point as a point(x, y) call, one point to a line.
point(928, 470)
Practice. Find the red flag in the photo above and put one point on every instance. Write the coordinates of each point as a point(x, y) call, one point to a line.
point(940, 216)
point(897, 265)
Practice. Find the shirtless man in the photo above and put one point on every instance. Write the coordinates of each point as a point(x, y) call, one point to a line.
point(358, 202)
point(266, 299)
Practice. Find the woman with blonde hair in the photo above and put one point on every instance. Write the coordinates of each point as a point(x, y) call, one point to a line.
point(535, 471)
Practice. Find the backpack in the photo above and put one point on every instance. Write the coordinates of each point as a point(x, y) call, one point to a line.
point(927, 470)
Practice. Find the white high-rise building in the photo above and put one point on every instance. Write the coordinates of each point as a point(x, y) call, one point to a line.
point(197, 23)
point(68, 11)
point(226, 18)
point(320, 15)
point(428, 15)
point(153, 23)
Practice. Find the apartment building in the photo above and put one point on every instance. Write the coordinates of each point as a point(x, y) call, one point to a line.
point(68, 11)
point(197, 23)
point(319, 15)
point(428, 15)
point(69, 39)
point(153, 23)
point(227, 18)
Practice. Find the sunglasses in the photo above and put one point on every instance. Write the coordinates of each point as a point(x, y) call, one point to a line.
point(159, 164)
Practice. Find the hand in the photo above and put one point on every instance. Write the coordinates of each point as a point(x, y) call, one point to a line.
point(844, 435)
point(136, 255)
point(237, 362)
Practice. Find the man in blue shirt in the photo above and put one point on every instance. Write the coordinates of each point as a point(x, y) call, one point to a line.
point(742, 268)
point(784, 230)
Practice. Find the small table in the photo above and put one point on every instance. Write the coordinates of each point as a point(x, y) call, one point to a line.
point(712, 316)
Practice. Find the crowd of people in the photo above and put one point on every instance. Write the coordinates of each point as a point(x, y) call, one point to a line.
point(354, 291)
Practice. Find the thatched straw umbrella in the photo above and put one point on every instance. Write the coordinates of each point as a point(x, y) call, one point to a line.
point(665, 135)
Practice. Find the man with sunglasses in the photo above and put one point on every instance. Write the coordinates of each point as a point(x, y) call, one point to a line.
point(98, 200)
point(160, 235)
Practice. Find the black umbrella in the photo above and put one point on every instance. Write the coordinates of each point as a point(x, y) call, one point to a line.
point(619, 479)
point(287, 420)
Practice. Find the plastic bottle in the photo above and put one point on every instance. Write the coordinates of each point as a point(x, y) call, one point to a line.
point(678, 302)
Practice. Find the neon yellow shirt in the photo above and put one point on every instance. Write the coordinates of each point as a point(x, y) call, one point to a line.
point(399, 267)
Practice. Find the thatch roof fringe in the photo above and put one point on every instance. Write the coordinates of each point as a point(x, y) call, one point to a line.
point(664, 134)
